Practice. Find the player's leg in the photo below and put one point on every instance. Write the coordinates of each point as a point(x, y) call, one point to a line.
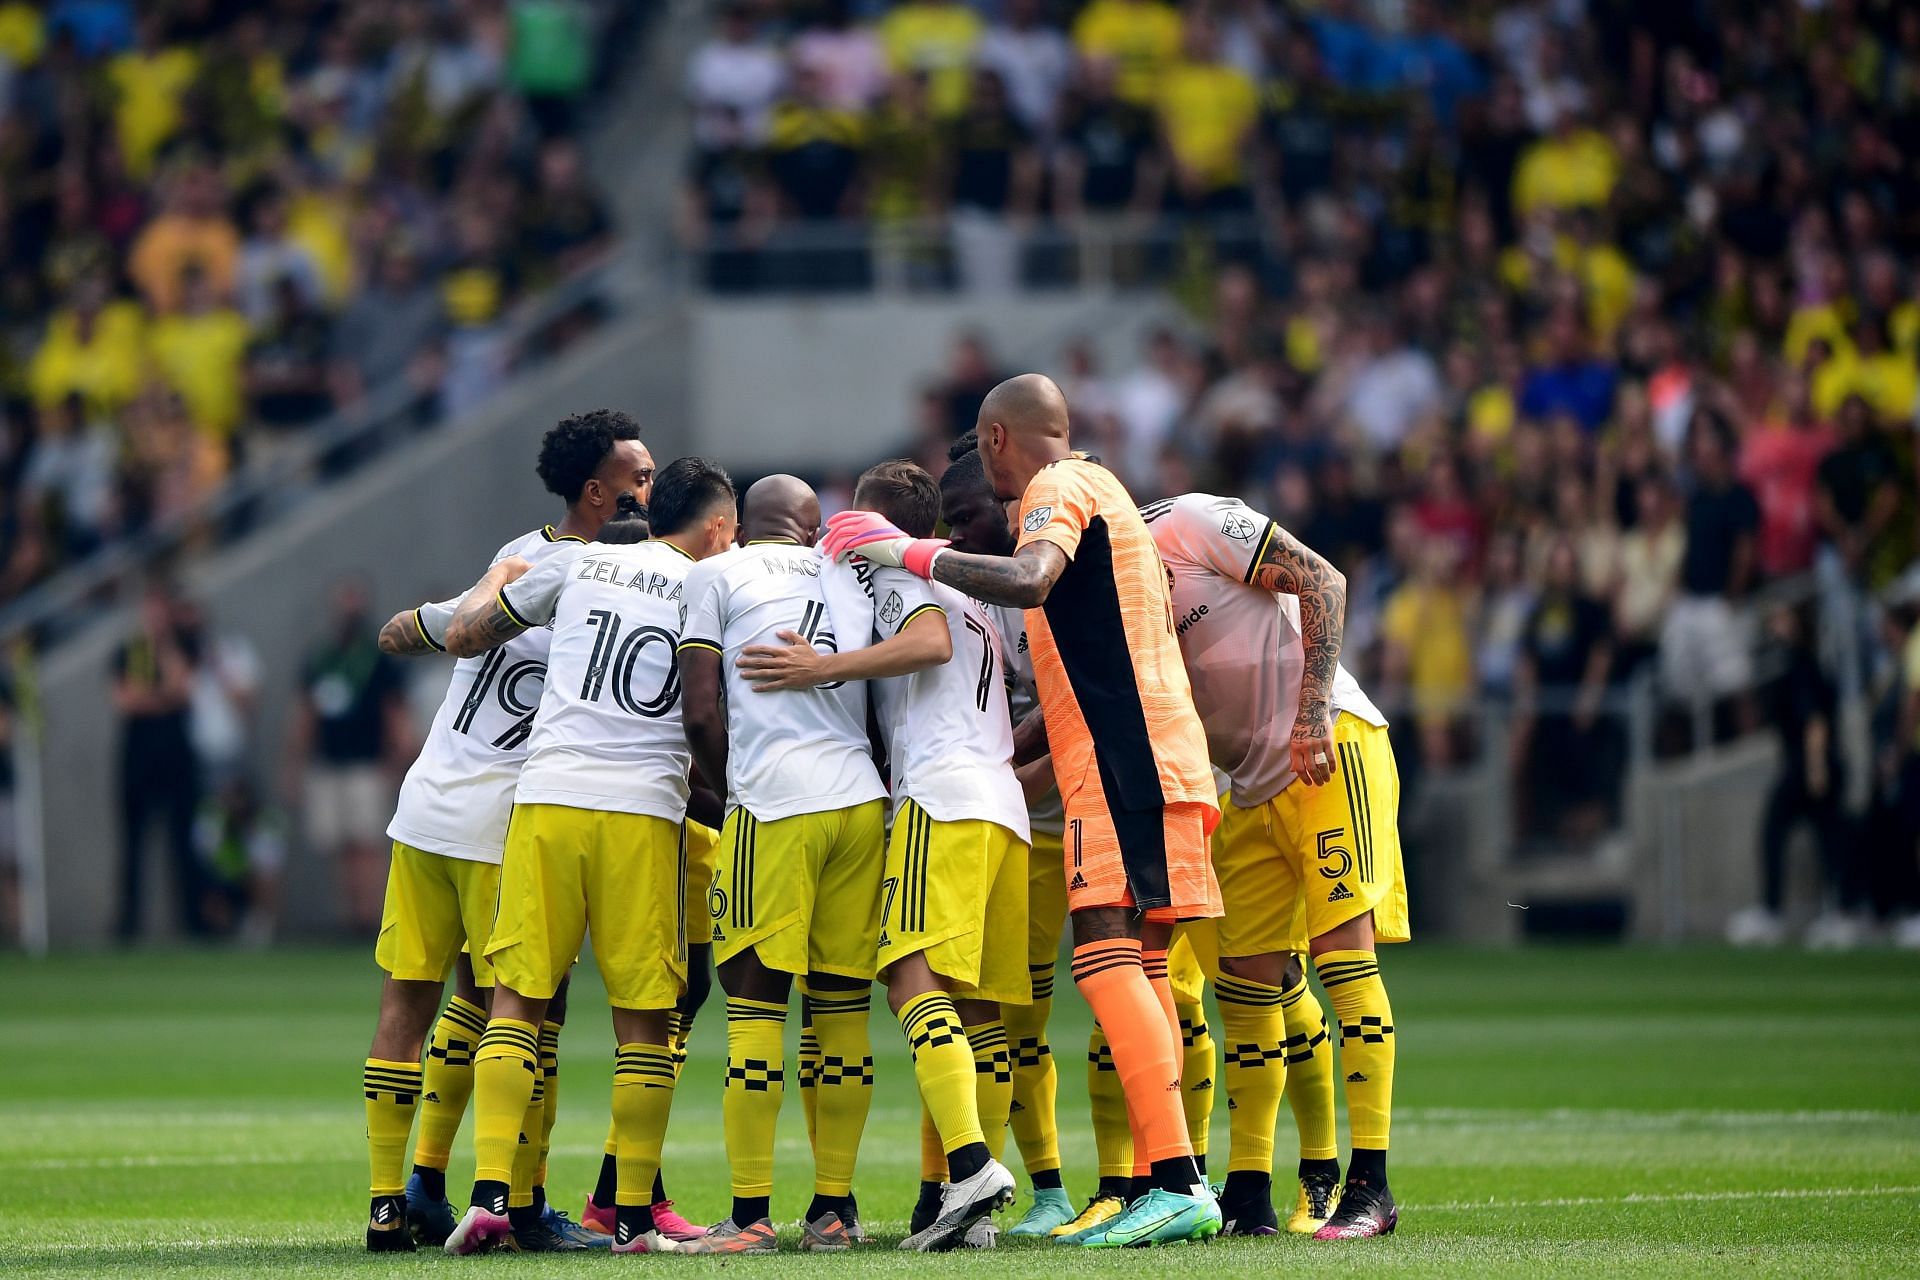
point(1193, 955)
point(421, 931)
point(841, 951)
point(762, 897)
point(1036, 1079)
point(447, 1087)
point(1360, 898)
point(537, 931)
point(640, 945)
point(1113, 1144)
point(1310, 1097)
point(666, 1220)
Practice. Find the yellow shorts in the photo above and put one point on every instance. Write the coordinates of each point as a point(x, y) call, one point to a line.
point(1193, 957)
point(623, 873)
point(1046, 899)
point(703, 850)
point(1259, 884)
point(771, 876)
point(1340, 844)
point(957, 893)
point(436, 906)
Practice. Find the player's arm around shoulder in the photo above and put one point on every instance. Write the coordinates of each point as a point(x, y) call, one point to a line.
point(905, 605)
point(484, 619)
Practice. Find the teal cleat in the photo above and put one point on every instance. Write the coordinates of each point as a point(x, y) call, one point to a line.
point(1159, 1217)
point(1050, 1209)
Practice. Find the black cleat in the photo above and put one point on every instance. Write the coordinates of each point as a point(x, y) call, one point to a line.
point(1249, 1215)
point(387, 1226)
point(1365, 1210)
point(541, 1238)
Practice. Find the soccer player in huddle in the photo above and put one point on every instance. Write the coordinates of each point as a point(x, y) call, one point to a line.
point(448, 831)
point(977, 523)
point(953, 925)
point(596, 834)
point(796, 893)
point(1128, 751)
point(1310, 848)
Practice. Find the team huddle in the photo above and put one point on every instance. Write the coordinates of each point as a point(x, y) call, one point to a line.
point(717, 733)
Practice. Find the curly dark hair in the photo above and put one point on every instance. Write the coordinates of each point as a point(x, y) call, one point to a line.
point(576, 446)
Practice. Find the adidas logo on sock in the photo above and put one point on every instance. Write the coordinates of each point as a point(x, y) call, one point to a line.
point(431, 1097)
point(1340, 894)
point(1078, 882)
point(1205, 1084)
point(1232, 1105)
point(1356, 1078)
point(1014, 1108)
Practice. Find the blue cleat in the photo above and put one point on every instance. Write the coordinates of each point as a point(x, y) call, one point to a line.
point(431, 1221)
point(557, 1221)
point(1050, 1209)
point(1159, 1217)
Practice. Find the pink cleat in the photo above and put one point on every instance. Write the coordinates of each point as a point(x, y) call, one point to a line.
point(597, 1220)
point(672, 1225)
point(479, 1229)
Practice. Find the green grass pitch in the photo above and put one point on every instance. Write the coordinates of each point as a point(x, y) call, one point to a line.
point(1628, 1112)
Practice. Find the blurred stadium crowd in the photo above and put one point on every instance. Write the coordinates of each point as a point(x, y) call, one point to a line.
point(1583, 336)
point(221, 222)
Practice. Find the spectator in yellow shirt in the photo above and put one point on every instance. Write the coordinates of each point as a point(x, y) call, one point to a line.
point(1208, 110)
point(149, 85)
point(193, 232)
point(201, 351)
point(1428, 649)
point(1140, 37)
point(23, 34)
point(940, 38)
point(94, 348)
point(1574, 167)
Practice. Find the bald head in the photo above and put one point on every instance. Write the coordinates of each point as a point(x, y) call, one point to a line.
point(1022, 427)
point(780, 506)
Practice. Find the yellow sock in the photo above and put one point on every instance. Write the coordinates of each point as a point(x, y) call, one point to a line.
point(992, 1081)
point(1255, 1031)
point(809, 1068)
point(449, 1080)
point(1310, 1073)
point(933, 1152)
point(550, 1086)
point(1196, 1073)
point(643, 1080)
point(1036, 1081)
point(526, 1155)
point(943, 1067)
point(392, 1090)
point(505, 1073)
point(756, 1085)
point(843, 1086)
point(1352, 980)
point(679, 1031)
point(1112, 1132)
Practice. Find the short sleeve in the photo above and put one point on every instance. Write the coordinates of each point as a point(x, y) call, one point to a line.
point(531, 599)
point(704, 598)
point(898, 598)
point(1058, 506)
point(1224, 534)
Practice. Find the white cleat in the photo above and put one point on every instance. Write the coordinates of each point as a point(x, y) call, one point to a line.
point(982, 1235)
point(647, 1242)
point(479, 1229)
point(962, 1204)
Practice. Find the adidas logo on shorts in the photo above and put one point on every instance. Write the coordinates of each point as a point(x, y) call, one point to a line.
point(1078, 882)
point(1340, 894)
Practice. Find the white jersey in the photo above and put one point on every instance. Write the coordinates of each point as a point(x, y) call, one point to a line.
point(609, 735)
point(1241, 644)
point(458, 795)
point(949, 733)
point(793, 751)
point(1046, 814)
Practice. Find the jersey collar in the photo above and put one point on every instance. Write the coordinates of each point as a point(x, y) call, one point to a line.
point(547, 532)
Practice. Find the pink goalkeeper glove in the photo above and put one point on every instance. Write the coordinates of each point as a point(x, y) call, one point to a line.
point(872, 537)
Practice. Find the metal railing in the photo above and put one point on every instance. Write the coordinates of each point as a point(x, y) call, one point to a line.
point(966, 250)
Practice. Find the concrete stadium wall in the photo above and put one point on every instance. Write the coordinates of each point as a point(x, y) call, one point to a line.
point(418, 526)
point(819, 384)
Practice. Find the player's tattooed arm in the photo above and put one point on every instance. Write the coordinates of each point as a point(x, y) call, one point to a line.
point(402, 636)
point(1030, 738)
point(482, 621)
point(1024, 579)
point(1290, 566)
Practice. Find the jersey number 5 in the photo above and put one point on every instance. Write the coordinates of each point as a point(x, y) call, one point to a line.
point(1328, 849)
